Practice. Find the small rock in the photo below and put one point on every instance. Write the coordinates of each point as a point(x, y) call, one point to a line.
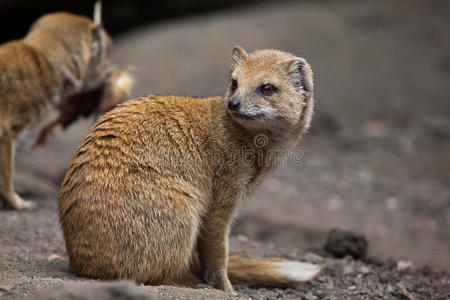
point(203, 286)
point(310, 296)
point(365, 270)
point(318, 293)
point(426, 270)
point(330, 285)
point(353, 287)
point(404, 265)
point(374, 261)
point(6, 287)
point(242, 238)
point(348, 270)
point(53, 257)
point(313, 258)
point(385, 277)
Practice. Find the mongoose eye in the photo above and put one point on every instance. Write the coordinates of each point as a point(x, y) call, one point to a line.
point(234, 84)
point(268, 89)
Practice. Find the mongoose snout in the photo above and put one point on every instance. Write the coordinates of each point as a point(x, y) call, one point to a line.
point(234, 104)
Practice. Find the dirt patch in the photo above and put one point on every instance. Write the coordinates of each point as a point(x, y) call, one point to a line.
point(341, 279)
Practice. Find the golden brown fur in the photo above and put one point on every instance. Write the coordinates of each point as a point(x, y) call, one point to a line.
point(62, 55)
point(159, 178)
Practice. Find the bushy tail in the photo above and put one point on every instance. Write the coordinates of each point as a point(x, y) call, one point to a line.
point(255, 271)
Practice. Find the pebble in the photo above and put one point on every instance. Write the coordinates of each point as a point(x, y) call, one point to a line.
point(310, 296)
point(330, 285)
point(319, 293)
point(242, 238)
point(348, 270)
point(53, 257)
point(313, 258)
point(385, 277)
point(404, 265)
point(6, 287)
point(365, 270)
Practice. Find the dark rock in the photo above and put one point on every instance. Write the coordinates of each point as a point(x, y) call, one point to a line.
point(341, 243)
point(374, 261)
point(426, 270)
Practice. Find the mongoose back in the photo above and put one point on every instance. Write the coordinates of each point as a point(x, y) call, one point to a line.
point(62, 55)
point(157, 180)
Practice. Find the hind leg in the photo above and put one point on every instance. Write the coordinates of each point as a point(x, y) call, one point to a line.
point(7, 191)
point(147, 239)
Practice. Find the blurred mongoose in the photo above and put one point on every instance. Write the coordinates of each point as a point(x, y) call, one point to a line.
point(157, 181)
point(62, 56)
point(114, 90)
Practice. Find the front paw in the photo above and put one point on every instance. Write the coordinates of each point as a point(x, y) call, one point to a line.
point(219, 280)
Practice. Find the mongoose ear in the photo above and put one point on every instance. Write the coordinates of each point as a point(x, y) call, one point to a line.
point(301, 74)
point(238, 55)
point(100, 43)
point(97, 40)
point(97, 28)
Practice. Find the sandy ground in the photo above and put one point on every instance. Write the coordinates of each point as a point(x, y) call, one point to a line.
point(375, 162)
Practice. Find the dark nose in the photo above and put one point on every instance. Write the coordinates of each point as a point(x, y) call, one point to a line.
point(234, 104)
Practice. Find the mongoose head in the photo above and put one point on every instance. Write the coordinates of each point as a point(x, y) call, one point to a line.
point(78, 47)
point(270, 90)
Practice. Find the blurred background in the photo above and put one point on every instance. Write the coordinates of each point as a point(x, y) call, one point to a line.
point(377, 158)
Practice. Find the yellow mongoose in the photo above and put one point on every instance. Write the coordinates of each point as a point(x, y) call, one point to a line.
point(158, 179)
point(63, 55)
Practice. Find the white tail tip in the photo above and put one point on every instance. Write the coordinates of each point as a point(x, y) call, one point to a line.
point(124, 83)
point(298, 271)
point(98, 13)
